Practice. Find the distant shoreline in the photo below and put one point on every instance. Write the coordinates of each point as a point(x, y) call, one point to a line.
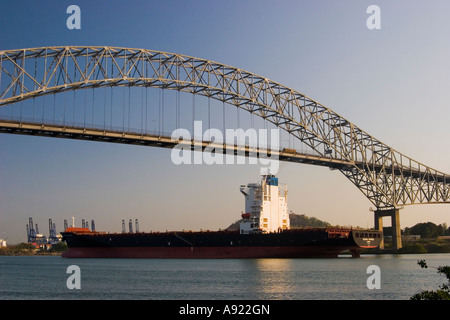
point(378, 252)
point(364, 251)
point(18, 252)
point(24, 249)
point(24, 254)
point(414, 247)
point(432, 245)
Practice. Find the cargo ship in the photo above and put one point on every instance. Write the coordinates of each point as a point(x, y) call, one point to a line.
point(264, 232)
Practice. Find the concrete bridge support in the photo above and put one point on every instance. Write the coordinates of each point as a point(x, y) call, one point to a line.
point(395, 223)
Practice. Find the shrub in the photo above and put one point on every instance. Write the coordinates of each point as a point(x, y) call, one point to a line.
point(443, 293)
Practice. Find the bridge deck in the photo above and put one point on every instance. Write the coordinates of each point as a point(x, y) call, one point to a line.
point(134, 138)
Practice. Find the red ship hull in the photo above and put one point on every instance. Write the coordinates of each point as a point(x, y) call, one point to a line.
point(208, 252)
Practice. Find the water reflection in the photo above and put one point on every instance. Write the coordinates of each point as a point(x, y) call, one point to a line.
point(270, 278)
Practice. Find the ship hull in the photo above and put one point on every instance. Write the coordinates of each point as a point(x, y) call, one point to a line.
point(215, 245)
point(207, 252)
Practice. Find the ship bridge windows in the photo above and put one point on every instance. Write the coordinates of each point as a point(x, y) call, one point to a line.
point(367, 235)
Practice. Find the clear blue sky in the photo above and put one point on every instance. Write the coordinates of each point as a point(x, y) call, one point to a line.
point(393, 83)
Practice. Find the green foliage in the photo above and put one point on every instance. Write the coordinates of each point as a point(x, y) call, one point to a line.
point(20, 249)
point(301, 220)
point(428, 230)
point(59, 247)
point(432, 295)
point(28, 249)
point(25, 246)
point(422, 264)
point(412, 248)
point(443, 293)
point(438, 248)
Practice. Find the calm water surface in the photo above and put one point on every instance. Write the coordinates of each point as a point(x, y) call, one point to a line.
point(44, 277)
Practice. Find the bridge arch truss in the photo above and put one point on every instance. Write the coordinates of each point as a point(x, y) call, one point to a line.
point(386, 177)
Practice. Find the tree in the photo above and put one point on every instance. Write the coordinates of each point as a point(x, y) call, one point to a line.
point(25, 246)
point(59, 247)
point(426, 230)
point(443, 293)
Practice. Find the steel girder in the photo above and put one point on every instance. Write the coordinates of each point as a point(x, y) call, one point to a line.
point(385, 176)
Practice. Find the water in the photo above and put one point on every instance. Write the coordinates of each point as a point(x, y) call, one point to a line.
point(44, 277)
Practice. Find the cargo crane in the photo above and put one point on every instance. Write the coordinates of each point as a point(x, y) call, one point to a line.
point(33, 235)
point(84, 224)
point(31, 232)
point(40, 238)
point(130, 226)
point(52, 232)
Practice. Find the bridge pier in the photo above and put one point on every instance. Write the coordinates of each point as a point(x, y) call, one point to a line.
point(395, 223)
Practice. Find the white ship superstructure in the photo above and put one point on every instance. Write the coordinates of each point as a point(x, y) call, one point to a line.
point(265, 206)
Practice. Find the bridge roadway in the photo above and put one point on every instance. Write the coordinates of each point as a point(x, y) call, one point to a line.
point(151, 140)
point(135, 138)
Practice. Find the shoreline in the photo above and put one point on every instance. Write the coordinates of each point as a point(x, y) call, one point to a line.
point(409, 247)
point(363, 252)
point(22, 254)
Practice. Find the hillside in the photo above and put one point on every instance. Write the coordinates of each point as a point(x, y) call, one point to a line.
point(302, 221)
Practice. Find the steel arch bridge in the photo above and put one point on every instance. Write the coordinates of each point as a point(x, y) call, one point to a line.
point(385, 176)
